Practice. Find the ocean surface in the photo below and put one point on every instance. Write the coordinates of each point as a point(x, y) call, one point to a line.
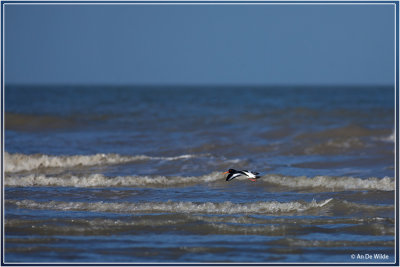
point(135, 174)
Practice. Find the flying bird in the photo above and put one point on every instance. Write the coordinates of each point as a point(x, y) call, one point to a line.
point(252, 176)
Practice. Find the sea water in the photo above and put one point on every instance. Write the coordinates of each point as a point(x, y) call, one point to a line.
point(135, 174)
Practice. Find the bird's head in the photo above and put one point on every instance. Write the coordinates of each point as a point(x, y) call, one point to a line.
point(230, 171)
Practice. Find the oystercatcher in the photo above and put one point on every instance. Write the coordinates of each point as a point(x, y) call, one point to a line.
point(252, 176)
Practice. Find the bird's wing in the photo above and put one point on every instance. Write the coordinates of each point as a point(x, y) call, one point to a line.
point(232, 176)
point(248, 174)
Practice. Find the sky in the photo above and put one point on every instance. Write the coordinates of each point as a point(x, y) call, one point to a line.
point(192, 44)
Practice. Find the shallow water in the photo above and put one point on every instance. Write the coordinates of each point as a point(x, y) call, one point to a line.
point(134, 174)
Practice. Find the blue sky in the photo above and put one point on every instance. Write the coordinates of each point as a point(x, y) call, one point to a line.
point(224, 44)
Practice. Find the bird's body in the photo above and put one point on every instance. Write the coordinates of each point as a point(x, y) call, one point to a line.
point(245, 174)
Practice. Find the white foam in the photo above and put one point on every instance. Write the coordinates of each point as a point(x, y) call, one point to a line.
point(99, 180)
point(389, 138)
point(20, 162)
point(334, 183)
point(174, 207)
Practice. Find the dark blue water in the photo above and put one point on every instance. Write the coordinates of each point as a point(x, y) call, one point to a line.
point(134, 174)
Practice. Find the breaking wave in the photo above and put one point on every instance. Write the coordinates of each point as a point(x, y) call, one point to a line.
point(100, 180)
point(174, 207)
point(389, 138)
point(20, 162)
point(334, 183)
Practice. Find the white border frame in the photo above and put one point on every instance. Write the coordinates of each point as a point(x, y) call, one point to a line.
point(207, 2)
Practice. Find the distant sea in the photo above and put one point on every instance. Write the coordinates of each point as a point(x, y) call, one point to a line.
point(135, 174)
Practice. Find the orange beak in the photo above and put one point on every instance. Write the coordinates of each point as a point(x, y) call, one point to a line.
point(226, 172)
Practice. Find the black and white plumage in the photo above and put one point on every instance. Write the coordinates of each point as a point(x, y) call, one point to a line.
point(252, 176)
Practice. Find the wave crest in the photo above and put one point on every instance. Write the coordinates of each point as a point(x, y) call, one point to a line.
point(334, 183)
point(174, 207)
point(100, 180)
point(21, 162)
